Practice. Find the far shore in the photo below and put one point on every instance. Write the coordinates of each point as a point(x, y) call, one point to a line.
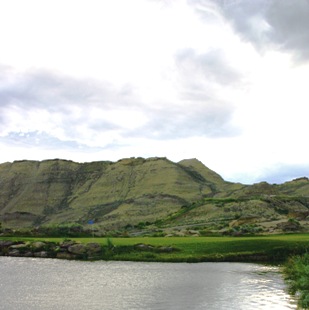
point(265, 249)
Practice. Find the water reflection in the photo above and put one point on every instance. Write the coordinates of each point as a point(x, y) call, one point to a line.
point(50, 284)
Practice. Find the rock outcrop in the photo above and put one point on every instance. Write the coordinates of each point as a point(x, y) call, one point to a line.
point(69, 249)
point(66, 250)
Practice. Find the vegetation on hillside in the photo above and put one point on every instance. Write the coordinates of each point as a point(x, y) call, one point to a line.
point(137, 196)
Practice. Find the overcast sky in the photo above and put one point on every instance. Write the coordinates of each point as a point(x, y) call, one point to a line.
point(223, 81)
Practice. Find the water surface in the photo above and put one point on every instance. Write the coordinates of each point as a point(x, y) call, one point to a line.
point(32, 283)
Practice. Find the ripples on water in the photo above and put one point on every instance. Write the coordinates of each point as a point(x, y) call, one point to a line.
point(29, 283)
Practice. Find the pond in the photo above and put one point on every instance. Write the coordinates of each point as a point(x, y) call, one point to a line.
point(33, 283)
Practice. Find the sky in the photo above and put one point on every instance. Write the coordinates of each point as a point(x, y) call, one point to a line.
point(223, 81)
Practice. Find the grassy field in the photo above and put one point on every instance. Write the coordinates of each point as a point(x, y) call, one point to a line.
point(274, 248)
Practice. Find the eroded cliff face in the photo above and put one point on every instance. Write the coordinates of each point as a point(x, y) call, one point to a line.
point(128, 191)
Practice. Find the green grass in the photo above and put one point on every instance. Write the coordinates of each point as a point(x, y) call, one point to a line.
point(259, 248)
point(297, 276)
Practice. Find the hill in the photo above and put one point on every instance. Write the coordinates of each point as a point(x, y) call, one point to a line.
point(153, 195)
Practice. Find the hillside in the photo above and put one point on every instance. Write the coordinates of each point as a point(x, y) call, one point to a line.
point(153, 194)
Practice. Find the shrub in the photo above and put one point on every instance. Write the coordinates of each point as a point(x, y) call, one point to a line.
point(297, 275)
point(110, 244)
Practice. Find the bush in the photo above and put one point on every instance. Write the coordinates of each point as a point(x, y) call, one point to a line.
point(62, 230)
point(110, 243)
point(248, 229)
point(297, 275)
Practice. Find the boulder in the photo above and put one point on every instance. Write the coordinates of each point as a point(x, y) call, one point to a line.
point(13, 252)
point(5, 243)
point(42, 254)
point(18, 246)
point(67, 243)
point(65, 255)
point(93, 248)
point(78, 249)
point(144, 247)
point(38, 245)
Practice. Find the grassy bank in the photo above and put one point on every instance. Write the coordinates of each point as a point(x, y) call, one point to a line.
point(297, 276)
point(276, 248)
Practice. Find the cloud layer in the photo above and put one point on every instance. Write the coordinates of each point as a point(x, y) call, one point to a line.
point(83, 109)
point(272, 23)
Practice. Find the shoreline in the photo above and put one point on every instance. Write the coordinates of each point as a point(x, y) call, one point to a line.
point(273, 250)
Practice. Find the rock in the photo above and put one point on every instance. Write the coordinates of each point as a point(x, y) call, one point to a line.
point(18, 246)
point(5, 243)
point(93, 248)
point(67, 243)
point(42, 254)
point(78, 249)
point(65, 255)
point(13, 252)
point(38, 245)
point(144, 247)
